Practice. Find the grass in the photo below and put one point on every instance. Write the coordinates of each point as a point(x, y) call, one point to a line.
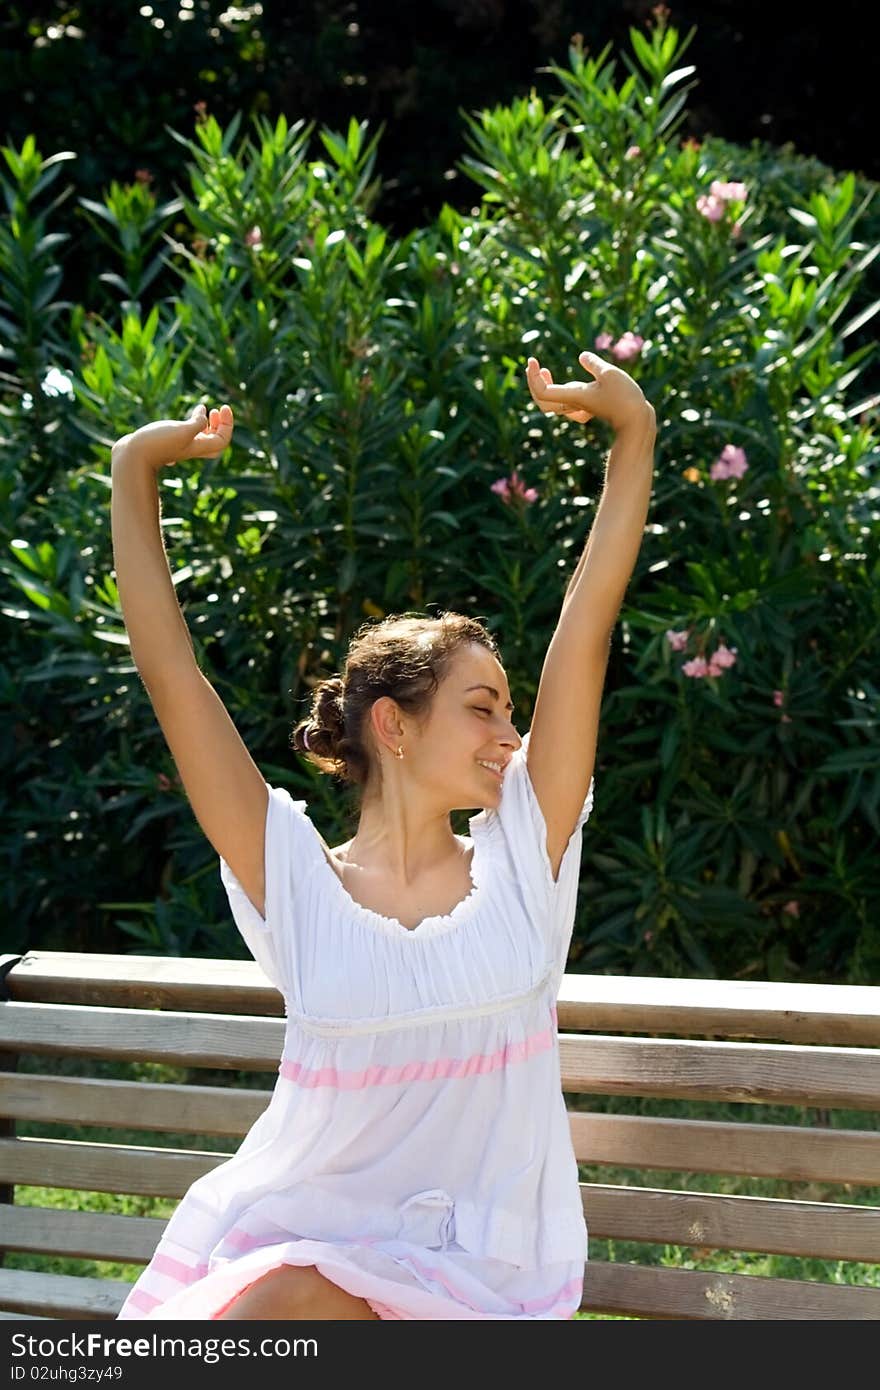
point(617, 1251)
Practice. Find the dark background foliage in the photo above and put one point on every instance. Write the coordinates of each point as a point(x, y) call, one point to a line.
point(104, 79)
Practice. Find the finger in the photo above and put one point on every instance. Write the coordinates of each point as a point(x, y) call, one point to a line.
point(591, 362)
point(570, 393)
point(536, 385)
point(198, 416)
point(214, 420)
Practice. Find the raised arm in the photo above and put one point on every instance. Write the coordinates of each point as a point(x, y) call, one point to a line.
point(565, 724)
point(226, 790)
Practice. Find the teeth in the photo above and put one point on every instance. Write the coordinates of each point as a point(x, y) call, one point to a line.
point(496, 767)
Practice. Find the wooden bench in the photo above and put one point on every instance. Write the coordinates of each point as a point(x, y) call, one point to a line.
point(786, 1045)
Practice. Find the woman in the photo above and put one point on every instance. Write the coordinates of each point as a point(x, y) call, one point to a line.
point(415, 1160)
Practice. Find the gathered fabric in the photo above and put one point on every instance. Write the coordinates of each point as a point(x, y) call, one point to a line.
point(416, 1148)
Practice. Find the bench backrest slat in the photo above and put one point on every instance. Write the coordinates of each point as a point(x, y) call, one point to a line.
point(93, 1235)
point(610, 1288)
point(160, 1106)
point(846, 1015)
point(793, 1152)
point(663, 1067)
point(847, 1077)
point(130, 1168)
point(229, 1041)
point(693, 1294)
point(761, 1224)
point(61, 1295)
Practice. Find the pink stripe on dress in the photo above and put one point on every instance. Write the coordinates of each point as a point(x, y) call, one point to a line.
point(443, 1067)
point(144, 1301)
point(176, 1269)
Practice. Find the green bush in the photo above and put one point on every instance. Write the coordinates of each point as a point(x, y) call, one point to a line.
point(388, 458)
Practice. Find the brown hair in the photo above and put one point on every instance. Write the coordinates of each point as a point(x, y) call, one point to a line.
point(404, 656)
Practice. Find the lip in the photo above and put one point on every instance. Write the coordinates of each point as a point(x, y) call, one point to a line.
point(499, 776)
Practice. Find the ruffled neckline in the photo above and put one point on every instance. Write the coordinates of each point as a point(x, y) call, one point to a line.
point(434, 925)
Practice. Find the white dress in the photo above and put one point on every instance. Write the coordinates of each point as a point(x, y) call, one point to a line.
point(416, 1148)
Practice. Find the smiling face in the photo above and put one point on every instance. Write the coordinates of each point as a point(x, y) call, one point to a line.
point(469, 725)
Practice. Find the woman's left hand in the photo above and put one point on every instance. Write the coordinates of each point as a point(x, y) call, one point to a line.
point(613, 395)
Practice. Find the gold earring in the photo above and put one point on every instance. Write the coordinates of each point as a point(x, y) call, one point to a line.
point(400, 752)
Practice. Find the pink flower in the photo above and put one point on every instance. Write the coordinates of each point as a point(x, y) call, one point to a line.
point(720, 659)
point(633, 152)
point(254, 237)
point(513, 487)
point(778, 698)
point(696, 668)
point(724, 656)
point(730, 464)
point(710, 207)
point(603, 342)
point(163, 783)
point(735, 458)
point(627, 347)
point(792, 908)
point(729, 192)
point(677, 640)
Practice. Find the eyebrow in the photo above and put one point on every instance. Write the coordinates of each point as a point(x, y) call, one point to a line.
point(492, 691)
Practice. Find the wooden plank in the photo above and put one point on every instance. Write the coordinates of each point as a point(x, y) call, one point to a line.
point(662, 1067)
point(198, 1040)
point(763, 1073)
point(830, 1231)
point(220, 1110)
point(823, 1230)
point(104, 1167)
point(843, 1015)
point(714, 1146)
point(87, 1235)
point(61, 1295)
point(694, 1294)
point(635, 1141)
point(146, 982)
point(847, 1015)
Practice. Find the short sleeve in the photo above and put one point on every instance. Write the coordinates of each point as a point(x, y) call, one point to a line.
point(288, 850)
point(552, 903)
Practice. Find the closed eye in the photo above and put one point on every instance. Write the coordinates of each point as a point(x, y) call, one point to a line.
point(482, 710)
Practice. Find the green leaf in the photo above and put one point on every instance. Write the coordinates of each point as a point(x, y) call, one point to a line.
point(860, 319)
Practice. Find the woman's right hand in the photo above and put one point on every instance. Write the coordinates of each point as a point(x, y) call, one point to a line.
point(164, 442)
